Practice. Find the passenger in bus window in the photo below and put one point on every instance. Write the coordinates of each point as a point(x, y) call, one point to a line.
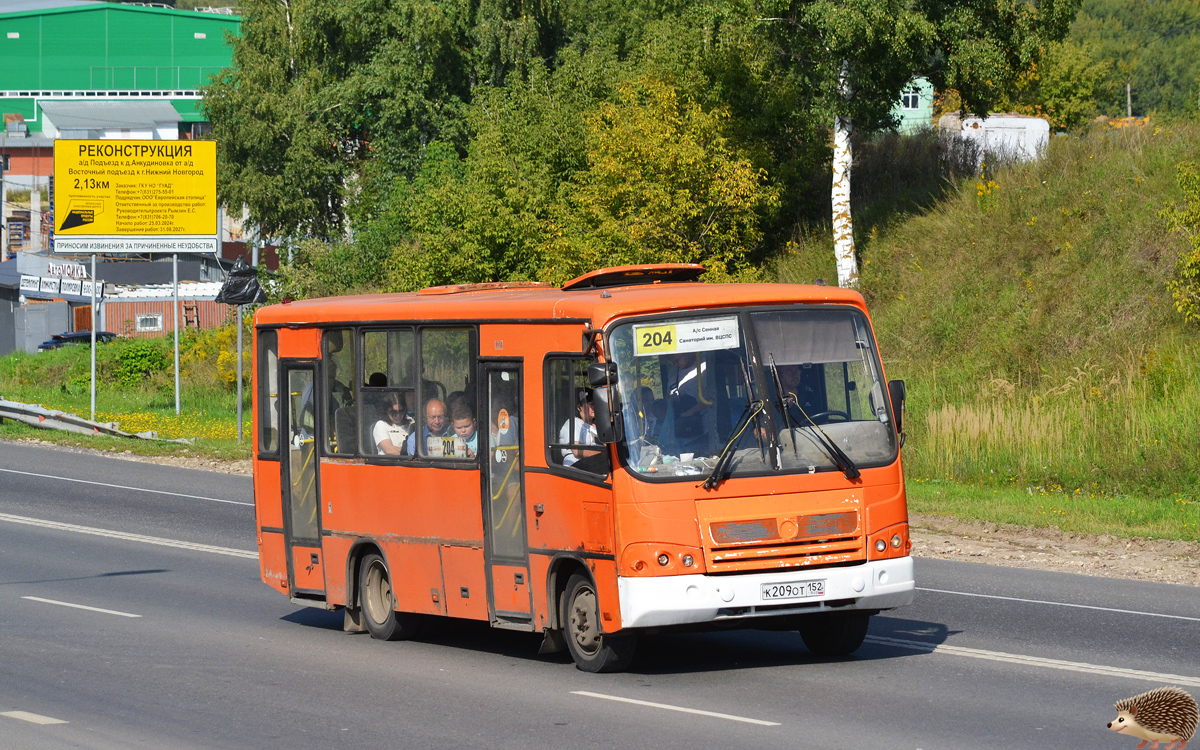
point(686, 390)
point(466, 434)
point(580, 430)
point(791, 377)
point(391, 432)
point(436, 427)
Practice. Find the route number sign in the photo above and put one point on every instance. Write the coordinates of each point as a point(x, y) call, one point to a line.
point(135, 196)
point(703, 335)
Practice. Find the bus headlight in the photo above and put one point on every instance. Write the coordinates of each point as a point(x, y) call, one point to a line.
point(897, 541)
point(880, 545)
point(664, 559)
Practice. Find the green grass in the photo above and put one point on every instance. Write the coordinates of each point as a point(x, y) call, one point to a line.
point(1031, 321)
point(141, 401)
point(1156, 517)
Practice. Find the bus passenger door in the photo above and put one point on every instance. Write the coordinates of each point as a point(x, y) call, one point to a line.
point(301, 501)
point(504, 498)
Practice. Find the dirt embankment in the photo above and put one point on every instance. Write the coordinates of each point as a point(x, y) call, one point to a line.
point(948, 539)
point(1050, 549)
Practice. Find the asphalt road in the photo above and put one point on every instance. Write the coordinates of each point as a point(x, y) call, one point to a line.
point(184, 647)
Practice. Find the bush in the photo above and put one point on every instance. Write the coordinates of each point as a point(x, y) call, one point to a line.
point(140, 359)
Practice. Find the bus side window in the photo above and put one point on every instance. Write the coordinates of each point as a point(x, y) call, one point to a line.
point(341, 415)
point(570, 428)
point(445, 390)
point(268, 395)
point(388, 371)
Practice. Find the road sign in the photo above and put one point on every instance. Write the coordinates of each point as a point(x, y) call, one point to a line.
point(135, 196)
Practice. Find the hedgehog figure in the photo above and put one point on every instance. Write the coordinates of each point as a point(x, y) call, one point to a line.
point(1163, 715)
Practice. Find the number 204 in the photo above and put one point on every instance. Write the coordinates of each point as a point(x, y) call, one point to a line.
point(656, 339)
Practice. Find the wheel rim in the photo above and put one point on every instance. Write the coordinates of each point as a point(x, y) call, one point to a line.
point(378, 594)
point(585, 631)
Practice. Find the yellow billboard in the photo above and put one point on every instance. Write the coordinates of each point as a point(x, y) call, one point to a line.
point(135, 196)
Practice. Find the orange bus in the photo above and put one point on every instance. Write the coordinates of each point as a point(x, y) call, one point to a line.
point(634, 451)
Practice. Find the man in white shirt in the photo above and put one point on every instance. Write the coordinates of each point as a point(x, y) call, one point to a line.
point(579, 431)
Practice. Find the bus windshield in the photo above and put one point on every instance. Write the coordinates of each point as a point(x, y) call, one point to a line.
point(689, 389)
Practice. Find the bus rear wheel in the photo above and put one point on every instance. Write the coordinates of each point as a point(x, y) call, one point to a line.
point(379, 604)
point(830, 634)
point(592, 650)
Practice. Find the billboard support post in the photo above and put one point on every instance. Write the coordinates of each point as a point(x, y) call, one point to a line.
point(175, 320)
point(93, 311)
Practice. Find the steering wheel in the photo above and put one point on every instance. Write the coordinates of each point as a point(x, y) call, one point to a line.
point(831, 413)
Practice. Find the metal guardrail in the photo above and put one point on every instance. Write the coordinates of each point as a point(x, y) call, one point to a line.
point(52, 419)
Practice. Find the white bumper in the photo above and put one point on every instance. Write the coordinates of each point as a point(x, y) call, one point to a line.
point(680, 600)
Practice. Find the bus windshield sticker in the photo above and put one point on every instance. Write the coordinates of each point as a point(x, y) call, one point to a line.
point(705, 335)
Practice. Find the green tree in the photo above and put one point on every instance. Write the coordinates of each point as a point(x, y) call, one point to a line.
point(1185, 288)
point(1154, 45)
point(1066, 86)
point(321, 87)
point(663, 184)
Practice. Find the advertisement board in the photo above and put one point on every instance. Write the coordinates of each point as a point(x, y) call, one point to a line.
point(116, 196)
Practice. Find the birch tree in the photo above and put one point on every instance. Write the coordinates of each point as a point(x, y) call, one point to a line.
point(858, 55)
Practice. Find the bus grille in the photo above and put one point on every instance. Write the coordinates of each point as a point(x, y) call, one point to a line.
point(822, 539)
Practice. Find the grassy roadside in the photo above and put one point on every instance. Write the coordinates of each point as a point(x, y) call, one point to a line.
point(1154, 517)
point(1051, 381)
point(135, 389)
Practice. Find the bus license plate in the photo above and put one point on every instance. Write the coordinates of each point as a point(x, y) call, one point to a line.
point(794, 590)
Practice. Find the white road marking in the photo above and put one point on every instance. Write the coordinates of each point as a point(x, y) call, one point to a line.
point(1062, 604)
point(79, 606)
point(31, 718)
point(681, 709)
point(179, 544)
point(1037, 661)
point(123, 487)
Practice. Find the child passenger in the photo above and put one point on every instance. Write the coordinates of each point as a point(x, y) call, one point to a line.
point(465, 431)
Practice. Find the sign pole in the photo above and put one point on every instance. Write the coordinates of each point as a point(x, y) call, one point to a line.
point(239, 375)
point(175, 321)
point(93, 311)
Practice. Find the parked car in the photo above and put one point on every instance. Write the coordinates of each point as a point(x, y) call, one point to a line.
point(60, 340)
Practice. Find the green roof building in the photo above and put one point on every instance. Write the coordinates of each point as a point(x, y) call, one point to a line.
point(80, 69)
point(71, 51)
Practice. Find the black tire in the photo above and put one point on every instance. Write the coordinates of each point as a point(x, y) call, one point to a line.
point(592, 650)
point(831, 634)
point(378, 605)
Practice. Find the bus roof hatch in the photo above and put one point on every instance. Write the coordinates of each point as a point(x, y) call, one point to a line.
point(650, 273)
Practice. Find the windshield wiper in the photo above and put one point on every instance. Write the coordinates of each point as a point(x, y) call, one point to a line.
point(752, 410)
point(784, 399)
point(840, 459)
point(758, 430)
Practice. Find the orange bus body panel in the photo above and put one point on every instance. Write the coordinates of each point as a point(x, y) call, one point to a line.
point(510, 587)
point(463, 568)
point(428, 519)
point(299, 343)
point(272, 560)
point(307, 568)
point(268, 505)
point(336, 551)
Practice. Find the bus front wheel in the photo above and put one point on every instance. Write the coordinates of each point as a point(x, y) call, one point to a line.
point(830, 634)
point(592, 650)
point(379, 605)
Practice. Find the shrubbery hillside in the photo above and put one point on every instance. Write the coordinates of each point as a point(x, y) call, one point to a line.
point(1030, 315)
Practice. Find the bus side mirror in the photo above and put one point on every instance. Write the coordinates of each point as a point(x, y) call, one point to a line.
point(609, 427)
point(898, 393)
point(602, 376)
